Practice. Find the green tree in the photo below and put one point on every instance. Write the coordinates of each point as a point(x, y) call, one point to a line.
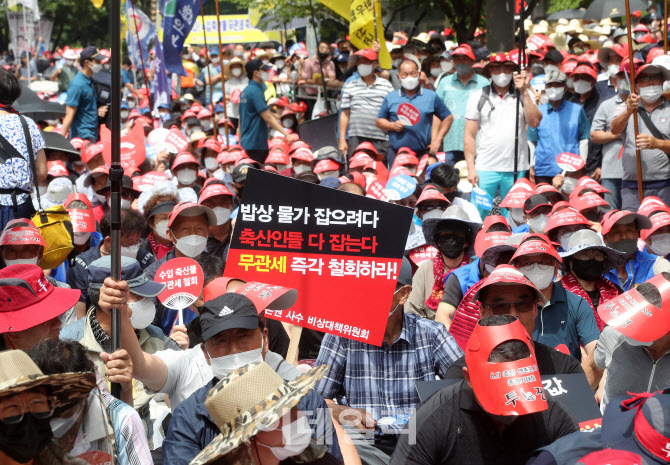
point(560, 5)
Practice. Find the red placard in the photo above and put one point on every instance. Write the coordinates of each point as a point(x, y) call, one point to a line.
point(147, 180)
point(133, 152)
point(569, 162)
point(376, 191)
point(421, 254)
point(325, 244)
point(235, 96)
point(176, 138)
point(183, 279)
point(408, 114)
point(82, 220)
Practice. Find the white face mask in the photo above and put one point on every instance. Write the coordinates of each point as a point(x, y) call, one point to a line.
point(569, 184)
point(280, 64)
point(216, 60)
point(186, 176)
point(364, 70)
point(96, 68)
point(297, 436)
point(124, 114)
point(538, 223)
point(396, 63)
point(435, 72)
point(192, 245)
point(222, 366)
point(502, 79)
point(23, 261)
point(69, 62)
point(80, 238)
point(160, 228)
point(222, 214)
point(516, 214)
point(124, 203)
point(434, 213)
point(651, 94)
point(565, 240)
point(131, 104)
point(410, 83)
point(540, 275)
point(237, 72)
point(548, 68)
point(660, 244)
point(265, 76)
point(543, 99)
point(130, 252)
point(300, 169)
point(570, 83)
point(554, 93)
point(582, 87)
point(211, 164)
point(446, 66)
point(144, 312)
point(287, 123)
point(613, 70)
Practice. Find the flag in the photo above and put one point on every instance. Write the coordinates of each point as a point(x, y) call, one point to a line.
point(97, 3)
point(178, 19)
point(362, 28)
point(139, 27)
point(162, 91)
point(341, 7)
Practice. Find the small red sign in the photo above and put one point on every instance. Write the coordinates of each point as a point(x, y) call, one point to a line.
point(183, 279)
point(176, 138)
point(133, 152)
point(408, 114)
point(147, 180)
point(421, 254)
point(82, 220)
point(569, 162)
point(376, 191)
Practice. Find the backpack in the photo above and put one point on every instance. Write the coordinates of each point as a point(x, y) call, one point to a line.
point(55, 227)
point(486, 92)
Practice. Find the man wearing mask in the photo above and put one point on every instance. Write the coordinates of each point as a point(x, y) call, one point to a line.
point(185, 168)
point(132, 228)
point(446, 178)
point(566, 321)
point(491, 162)
point(314, 66)
point(81, 108)
point(564, 128)
point(621, 231)
point(552, 61)
point(455, 90)
point(211, 75)
point(453, 234)
point(219, 198)
point(67, 72)
point(236, 81)
point(652, 139)
point(417, 349)
point(361, 100)
point(657, 237)
point(611, 167)
point(417, 135)
point(610, 59)
point(536, 211)
point(255, 116)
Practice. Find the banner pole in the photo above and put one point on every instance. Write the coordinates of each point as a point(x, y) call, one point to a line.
point(144, 71)
point(631, 64)
point(522, 53)
point(209, 75)
point(223, 81)
point(665, 27)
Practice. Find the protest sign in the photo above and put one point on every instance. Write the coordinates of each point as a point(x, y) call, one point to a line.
point(418, 255)
point(480, 198)
point(133, 152)
point(408, 114)
point(176, 138)
point(340, 251)
point(400, 187)
point(183, 279)
point(569, 162)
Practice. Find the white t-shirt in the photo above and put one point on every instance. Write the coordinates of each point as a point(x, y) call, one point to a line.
point(495, 138)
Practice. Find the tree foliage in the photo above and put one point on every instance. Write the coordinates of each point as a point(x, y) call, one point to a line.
point(560, 5)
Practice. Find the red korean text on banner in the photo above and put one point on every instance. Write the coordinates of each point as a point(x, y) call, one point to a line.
point(183, 279)
point(408, 114)
point(179, 140)
point(569, 162)
point(133, 152)
point(341, 252)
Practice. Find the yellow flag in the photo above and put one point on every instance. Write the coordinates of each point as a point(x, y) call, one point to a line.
point(341, 7)
point(97, 3)
point(362, 28)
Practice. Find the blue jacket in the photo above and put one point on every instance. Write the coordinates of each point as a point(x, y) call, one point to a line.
point(192, 428)
point(639, 269)
point(467, 275)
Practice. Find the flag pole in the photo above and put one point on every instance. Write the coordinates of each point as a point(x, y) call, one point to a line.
point(116, 171)
point(209, 74)
point(144, 71)
point(665, 27)
point(223, 81)
point(522, 55)
point(631, 65)
point(374, 15)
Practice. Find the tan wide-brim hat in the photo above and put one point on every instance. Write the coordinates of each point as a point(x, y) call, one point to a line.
point(248, 400)
point(18, 373)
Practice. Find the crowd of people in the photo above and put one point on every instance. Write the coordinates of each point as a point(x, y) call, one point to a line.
point(489, 296)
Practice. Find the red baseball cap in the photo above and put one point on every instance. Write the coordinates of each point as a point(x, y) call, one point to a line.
point(229, 157)
point(278, 156)
point(492, 220)
point(99, 171)
point(299, 144)
point(615, 216)
point(588, 200)
point(464, 50)
point(367, 53)
point(658, 221)
point(566, 217)
point(22, 235)
point(398, 170)
point(543, 188)
point(191, 209)
point(56, 169)
point(326, 165)
point(78, 142)
point(652, 204)
point(90, 151)
point(586, 182)
point(587, 69)
point(508, 275)
point(184, 158)
point(82, 220)
point(29, 299)
point(605, 52)
point(278, 142)
point(518, 193)
point(535, 246)
point(217, 287)
point(268, 296)
point(213, 190)
point(406, 159)
point(568, 66)
point(368, 148)
point(360, 159)
point(304, 154)
point(484, 240)
point(653, 53)
point(430, 193)
point(78, 196)
point(558, 206)
point(211, 144)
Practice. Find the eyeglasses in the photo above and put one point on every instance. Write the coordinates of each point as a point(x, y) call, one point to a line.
point(426, 208)
point(12, 414)
point(503, 308)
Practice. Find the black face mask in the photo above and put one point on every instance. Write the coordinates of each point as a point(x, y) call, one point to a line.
point(627, 246)
point(25, 440)
point(588, 270)
point(451, 196)
point(323, 56)
point(451, 246)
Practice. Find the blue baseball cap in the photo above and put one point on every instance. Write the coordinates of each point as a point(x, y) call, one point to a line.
point(214, 51)
point(164, 105)
point(131, 272)
point(145, 111)
point(124, 106)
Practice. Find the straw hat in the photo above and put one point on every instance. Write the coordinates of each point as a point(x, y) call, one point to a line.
point(249, 399)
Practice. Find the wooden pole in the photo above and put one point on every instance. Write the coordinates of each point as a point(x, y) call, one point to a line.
point(633, 90)
point(665, 27)
point(209, 75)
point(223, 81)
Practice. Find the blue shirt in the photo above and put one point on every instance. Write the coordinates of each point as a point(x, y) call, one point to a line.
point(381, 379)
point(253, 128)
point(455, 95)
point(566, 319)
point(559, 131)
point(418, 136)
point(81, 95)
point(640, 268)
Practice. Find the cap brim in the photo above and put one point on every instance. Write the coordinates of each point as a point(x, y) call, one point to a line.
point(243, 322)
point(54, 305)
point(613, 258)
point(540, 297)
point(148, 289)
point(196, 210)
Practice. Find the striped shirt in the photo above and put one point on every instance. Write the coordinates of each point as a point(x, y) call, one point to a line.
point(381, 379)
point(363, 103)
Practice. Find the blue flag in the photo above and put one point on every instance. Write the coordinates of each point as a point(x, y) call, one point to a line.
point(178, 19)
point(139, 27)
point(162, 91)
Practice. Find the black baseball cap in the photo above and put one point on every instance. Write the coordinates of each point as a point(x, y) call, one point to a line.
point(255, 65)
point(554, 55)
point(90, 53)
point(536, 201)
point(405, 275)
point(228, 311)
